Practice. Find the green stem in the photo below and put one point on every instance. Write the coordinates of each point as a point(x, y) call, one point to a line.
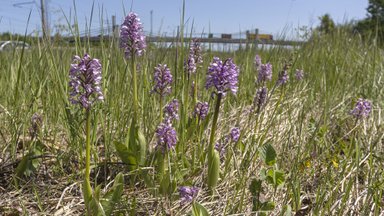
point(213, 157)
point(161, 109)
point(195, 89)
point(184, 112)
point(200, 151)
point(87, 189)
point(168, 159)
point(196, 148)
point(135, 97)
point(88, 145)
point(161, 164)
point(214, 123)
point(186, 94)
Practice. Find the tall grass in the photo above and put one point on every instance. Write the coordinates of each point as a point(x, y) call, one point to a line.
point(332, 164)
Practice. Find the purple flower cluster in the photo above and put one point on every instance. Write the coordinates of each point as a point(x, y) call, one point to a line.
point(166, 134)
point(194, 57)
point(265, 73)
point(171, 111)
point(260, 98)
point(166, 137)
point(283, 77)
point(362, 108)
point(195, 51)
point(299, 74)
point(85, 80)
point(221, 145)
point(163, 79)
point(235, 134)
point(257, 62)
point(36, 124)
point(190, 65)
point(132, 38)
point(201, 110)
point(188, 194)
point(222, 76)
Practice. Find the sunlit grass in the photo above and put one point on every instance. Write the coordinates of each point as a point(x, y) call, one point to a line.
point(331, 163)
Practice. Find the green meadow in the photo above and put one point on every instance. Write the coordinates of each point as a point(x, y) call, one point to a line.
point(302, 153)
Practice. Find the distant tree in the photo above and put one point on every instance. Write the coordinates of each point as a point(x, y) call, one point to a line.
point(6, 36)
point(326, 24)
point(376, 10)
point(374, 23)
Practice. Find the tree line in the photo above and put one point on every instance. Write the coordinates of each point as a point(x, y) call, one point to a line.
point(370, 28)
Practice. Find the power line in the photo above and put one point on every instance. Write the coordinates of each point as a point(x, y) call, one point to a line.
point(20, 5)
point(18, 20)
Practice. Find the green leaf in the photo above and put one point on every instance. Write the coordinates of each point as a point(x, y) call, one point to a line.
point(322, 130)
point(172, 187)
point(256, 204)
point(287, 210)
point(87, 194)
point(113, 196)
point(27, 165)
point(126, 155)
point(160, 160)
point(95, 206)
point(34, 164)
point(199, 210)
point(268, 154)
point(149, 181)
point(279, 178)
point(213, 169)
point(136, 143)
point(164, 184)
point(255, 187)
point(22, 166)
point(263, 174)
point(132, 135)
point(142, 148)
point(275, 177)
point(167, 185)
point(268, 206)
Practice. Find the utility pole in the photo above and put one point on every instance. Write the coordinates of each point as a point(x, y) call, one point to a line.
point(114, 27)
point(151, 23)
point(44, 19)
point(257, 38)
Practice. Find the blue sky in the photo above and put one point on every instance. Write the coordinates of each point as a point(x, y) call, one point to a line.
point(217, 16)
